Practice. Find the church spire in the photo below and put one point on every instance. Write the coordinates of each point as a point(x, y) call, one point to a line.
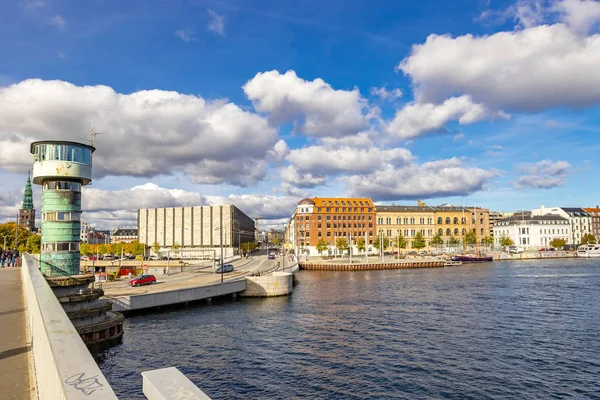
point(28, 196)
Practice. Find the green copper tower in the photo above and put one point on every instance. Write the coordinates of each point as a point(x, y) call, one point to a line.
point(61, 168)
point(27, 212)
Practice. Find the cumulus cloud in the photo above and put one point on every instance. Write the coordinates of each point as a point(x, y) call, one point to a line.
point(428, 180)
point(148, 133)
point(119, 207)
point(416, 119)
point(531, 69)
point(279, 152)
point(299, 179)
point(320, 159)
point(579, 15)
point(385, 94)
point(545, 174)
point(316, 108)
point(216, 23)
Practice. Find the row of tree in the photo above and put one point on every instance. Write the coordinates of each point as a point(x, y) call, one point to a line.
point(135, 248)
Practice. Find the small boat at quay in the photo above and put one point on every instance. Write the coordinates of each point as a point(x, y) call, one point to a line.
point(450, 263)
point(471, 258)
point(589, 250)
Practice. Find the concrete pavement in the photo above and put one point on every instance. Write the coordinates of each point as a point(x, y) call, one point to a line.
point(15, 381)
point(200, 277)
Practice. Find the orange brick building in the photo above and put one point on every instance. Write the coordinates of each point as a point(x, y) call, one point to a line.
point(331, 219)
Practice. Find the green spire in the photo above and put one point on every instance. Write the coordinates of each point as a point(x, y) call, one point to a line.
point(28, 196)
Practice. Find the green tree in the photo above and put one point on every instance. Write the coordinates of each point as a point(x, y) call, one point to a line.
point(401, 241)
point(558, 243)
point(454, 241)
point(102, 249)
point(322, 246)
point(587, 238)
point(377, 243)
point(8, 231)
point(276, 241)
point(117, 248)
point(33, 244)
point(84, 249)
point(175, 248)
point(156, 247)
point(506, 241)
point(418, 241)
point(471, 237)
point(138, 249)
point(437, 240)
point(488, 240)
point(342, 244)
point(360, 244)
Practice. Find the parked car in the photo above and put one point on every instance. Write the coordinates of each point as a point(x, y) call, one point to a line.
point(412, 253)
point(84, 258)
point(108, 257)
point(271, 256)
point(142, 280)
point(224, 268)
point(423, 253)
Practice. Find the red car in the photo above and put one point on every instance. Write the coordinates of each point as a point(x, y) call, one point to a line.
point(143, 280)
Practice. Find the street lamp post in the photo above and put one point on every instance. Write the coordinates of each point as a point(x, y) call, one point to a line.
point(220, 229)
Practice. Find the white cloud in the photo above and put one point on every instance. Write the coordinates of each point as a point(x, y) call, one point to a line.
point(112, 208)
point(458, 136)
point(545, 174)
point(579, 15)
point(148, 133)
point(428, 180)
point(326, 161)
point(385, 94)
point(416, 119)
point(531, 69)
point(216, 23)
point(279, 152)
point(185, 35)
point(299, 179)
point(58, 21)
point(62, 56)
point(315, 106)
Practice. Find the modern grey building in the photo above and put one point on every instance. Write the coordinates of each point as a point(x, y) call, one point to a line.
point(195, 232)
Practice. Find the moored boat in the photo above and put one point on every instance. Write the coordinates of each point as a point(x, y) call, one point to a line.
point(472, 258)
point(589, 250)
point(450, 263)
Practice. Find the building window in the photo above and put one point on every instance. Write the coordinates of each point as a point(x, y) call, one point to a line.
point(448, 232)
point(463, 220)
point(456, 230)
point(328, 234)
point(448, 222)
point(455, 220)
point(440, 232)
point(380, 220)
point(399, 221)
point(440, 220)
point(388, 221)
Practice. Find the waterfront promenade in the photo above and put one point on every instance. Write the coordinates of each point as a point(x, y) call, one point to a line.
point(15, 381)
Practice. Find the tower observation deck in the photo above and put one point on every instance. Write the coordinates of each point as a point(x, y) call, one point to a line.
point(61, 168)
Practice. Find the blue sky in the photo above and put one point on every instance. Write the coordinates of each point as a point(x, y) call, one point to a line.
point(493, 103)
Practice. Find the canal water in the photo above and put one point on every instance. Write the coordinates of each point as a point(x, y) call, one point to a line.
point(512, 329)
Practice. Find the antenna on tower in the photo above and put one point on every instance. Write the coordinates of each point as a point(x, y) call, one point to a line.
point(93, 134)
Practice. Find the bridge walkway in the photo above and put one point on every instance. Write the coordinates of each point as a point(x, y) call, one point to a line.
point(15, 381)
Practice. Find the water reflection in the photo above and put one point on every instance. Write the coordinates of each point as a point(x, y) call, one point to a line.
point(510, 329)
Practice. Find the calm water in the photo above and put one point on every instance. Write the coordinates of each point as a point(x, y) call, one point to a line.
point(515, 330)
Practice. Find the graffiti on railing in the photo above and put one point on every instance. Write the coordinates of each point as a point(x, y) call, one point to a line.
point(85, 385)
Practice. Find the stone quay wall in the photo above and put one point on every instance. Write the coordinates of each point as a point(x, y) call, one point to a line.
point(370, 266)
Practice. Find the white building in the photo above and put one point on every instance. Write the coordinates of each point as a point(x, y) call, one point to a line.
point(85, 231)
point(195, 231)
point(532, 232)
point(579, 220)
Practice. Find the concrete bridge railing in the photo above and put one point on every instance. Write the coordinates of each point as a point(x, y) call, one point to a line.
point(63, 367)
